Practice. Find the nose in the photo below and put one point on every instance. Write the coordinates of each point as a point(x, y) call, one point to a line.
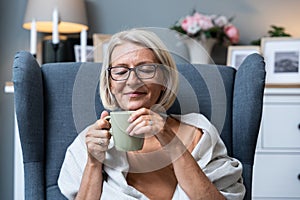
point(133, 78)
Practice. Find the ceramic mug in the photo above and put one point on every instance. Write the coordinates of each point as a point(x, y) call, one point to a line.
point(123, 141)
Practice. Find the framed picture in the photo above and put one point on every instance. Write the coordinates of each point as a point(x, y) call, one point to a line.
point(100, 43)
point(89, 53)
point(237, 54)
point(282, 56)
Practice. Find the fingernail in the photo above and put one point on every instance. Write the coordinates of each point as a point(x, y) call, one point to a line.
point(129, 119)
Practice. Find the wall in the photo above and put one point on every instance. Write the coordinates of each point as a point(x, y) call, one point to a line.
point(12, 38)
point(252, 17)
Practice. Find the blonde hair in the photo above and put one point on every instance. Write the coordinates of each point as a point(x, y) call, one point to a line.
point(148, 40)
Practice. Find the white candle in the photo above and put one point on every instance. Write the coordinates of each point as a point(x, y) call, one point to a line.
point(33, 37)
point(55, 37)
point(83, 43)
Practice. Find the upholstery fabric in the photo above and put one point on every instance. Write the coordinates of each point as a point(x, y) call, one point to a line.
point(247, 107)
point(59, 129)
point(29, 104)
point(197, 87)
point(56, 101)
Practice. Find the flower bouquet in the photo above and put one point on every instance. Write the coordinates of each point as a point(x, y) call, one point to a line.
point(201, 27)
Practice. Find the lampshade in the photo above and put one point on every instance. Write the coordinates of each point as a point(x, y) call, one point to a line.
point(72, 15)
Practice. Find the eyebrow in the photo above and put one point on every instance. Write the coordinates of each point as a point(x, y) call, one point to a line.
point(139, 63)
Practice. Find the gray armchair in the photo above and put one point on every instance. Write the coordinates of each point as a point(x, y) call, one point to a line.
point(56, 101)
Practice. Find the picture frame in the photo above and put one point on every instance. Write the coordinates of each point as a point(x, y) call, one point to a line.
point(237, 54)
point(89, 53)
point(100, 42)
point(282, 56)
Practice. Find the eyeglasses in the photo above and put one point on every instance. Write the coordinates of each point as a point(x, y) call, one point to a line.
point(122, 73)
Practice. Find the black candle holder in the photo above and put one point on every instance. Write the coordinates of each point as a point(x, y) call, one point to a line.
point(55, 49)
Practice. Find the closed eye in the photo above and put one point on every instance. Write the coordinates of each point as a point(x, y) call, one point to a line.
point(119, 70)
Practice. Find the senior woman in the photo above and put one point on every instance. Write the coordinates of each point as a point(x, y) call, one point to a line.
point(182, 157)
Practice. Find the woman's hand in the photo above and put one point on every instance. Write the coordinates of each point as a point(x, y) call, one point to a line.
point(150, 123)
point(97, 139)
point(145, 121)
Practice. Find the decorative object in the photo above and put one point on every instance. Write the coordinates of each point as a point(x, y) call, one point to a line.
point(55, 22)
point(55, 33)
point(205, 29)
point(66, 49)
point(282, 59)
point(33, 38)
point(275, 31)
point(72, 15)
point(53, 16)
point(237, 54)
point(89, 53)
point(201, 27)
point(100, 43)
point(199, 50)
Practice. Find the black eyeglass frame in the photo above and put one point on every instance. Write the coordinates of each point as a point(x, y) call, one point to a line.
point(155, 65)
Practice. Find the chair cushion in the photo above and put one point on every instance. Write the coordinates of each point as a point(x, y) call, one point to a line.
point(64, 118)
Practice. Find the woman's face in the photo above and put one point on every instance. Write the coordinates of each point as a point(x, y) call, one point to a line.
point(135, 93)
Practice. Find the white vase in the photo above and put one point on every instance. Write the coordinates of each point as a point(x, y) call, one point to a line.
point(200, 50)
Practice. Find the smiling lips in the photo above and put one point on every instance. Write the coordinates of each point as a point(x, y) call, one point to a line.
point(135, 94)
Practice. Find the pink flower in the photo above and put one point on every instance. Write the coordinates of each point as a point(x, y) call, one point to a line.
point(201, 26)
point(186, 23)
point(190, 25)
point(220, 20)
point(205, 22)
point(197, 16)
point(233, 33)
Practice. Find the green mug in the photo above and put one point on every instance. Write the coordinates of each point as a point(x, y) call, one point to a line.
point(123, 141)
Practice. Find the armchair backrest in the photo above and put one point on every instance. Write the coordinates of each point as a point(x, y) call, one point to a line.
point(56, 101)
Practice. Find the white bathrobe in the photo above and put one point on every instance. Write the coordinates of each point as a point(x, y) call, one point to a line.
point(210, 153)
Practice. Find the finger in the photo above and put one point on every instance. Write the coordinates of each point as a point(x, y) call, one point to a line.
point(97, 140)
point(101, 124)
point(136, 114)
point(104, 114)
point(142, 131)
point(147, 126)
point(104, 142)
point(140, 115)
point(100, 144)
point(138, 122)
point(152, 125)
point(98, 134)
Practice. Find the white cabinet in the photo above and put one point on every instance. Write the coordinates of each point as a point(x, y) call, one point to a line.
point(277, 160)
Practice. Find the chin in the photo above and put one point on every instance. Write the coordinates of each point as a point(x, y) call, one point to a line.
point(135, 106)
